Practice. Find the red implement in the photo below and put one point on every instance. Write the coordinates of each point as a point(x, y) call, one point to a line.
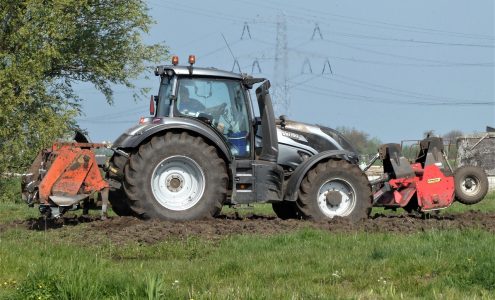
point(427, 184)
point(72, 173)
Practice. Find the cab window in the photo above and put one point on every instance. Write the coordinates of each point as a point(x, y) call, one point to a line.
point(220, 103)
point(163, 106)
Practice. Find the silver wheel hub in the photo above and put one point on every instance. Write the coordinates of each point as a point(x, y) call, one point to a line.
point(175, 182)
point(470, 186)
point(336, 197)
point(178, 183)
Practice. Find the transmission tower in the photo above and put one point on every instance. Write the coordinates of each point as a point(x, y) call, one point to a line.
point(280, 90)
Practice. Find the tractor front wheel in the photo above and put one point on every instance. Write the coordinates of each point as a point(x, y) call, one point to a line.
point(471, 184)
point(286, 210)
point(335, 188)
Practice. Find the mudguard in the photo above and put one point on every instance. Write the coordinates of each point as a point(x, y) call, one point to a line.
point(135, 136)
point(301, 171)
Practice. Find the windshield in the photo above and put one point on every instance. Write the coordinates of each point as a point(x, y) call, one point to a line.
point(163, 105)
point(220, 103)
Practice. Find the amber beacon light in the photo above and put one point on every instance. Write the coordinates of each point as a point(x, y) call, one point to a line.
point(175, 60)
point(192, 59)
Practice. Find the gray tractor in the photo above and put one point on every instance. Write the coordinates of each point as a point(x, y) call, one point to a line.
point(203, 147)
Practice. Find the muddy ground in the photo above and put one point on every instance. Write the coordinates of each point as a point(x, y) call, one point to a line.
point(129, 229)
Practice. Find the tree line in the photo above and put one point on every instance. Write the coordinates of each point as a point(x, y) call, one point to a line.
point(368, 146)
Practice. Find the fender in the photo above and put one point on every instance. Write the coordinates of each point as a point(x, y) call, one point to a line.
point(135, 136)
point(301, 171)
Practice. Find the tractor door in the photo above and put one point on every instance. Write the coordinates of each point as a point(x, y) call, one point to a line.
point(222, 104)
point(261, 179)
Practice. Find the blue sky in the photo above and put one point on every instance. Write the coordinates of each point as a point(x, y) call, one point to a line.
point(400, 68)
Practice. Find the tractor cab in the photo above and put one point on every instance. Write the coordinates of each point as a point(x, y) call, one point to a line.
point(218, 99)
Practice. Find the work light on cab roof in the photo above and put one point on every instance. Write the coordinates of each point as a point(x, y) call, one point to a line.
point(192, 59)
point(175, 60)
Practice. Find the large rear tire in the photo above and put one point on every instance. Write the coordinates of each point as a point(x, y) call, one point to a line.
point(471, 184)
point(176, 177)
point(335, 188)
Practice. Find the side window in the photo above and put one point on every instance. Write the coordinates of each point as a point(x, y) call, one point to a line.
point(220, 103)
point(164, 93)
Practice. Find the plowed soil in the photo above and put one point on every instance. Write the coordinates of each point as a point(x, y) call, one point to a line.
point(128, 229)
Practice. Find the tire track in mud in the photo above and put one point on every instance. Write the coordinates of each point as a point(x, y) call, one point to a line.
point(121, 230)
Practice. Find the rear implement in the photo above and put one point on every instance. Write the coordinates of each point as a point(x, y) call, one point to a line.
point(429, 183)
point(63, 177)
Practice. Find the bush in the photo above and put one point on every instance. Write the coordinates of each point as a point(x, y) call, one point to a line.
point(10, 190)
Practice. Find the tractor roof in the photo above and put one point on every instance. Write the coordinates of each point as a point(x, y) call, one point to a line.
point(209, 72)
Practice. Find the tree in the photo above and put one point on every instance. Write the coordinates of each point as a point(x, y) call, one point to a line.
point(452, 135)
point(46, 46)
point(450, 141)
point(360, 140)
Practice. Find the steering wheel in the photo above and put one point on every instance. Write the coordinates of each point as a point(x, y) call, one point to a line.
point(216, 111)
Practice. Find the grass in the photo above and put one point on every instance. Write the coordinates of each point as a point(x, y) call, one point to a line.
point(486, 205)
point(306, 264)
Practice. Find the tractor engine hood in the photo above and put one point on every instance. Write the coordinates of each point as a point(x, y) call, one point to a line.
point(319, 138)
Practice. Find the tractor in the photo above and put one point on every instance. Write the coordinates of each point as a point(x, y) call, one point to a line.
point(203, 147)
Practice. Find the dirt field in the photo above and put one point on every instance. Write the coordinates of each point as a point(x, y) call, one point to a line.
point(128, 229)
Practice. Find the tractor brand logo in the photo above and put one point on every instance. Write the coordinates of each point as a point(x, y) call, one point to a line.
point(294, 136)
point(434, 180)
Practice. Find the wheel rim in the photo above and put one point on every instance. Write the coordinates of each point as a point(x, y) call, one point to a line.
point(178, 183)
point(470, 185)
point(347, 198)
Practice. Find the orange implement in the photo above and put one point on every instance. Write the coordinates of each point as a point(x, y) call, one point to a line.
point(71, 175)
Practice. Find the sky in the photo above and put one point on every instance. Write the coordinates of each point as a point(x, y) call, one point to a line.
point(398, 68)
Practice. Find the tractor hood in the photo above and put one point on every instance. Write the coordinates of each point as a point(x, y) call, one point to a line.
point(318, 138)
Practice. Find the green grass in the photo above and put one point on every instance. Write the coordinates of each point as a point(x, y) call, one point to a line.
point(306, 264)
point(487, 205)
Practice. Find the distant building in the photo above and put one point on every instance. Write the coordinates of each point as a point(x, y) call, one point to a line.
point(478, 150)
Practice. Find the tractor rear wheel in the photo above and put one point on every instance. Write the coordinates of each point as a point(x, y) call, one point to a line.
point(471, 184)
point(335, 188)
point(176, 177)
point(286, 210)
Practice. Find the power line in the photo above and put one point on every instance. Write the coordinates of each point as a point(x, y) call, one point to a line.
point(113, 115)
point(109, 122)
point(488, 64)
point(218, 49)
point(392, 39)
point(374, 85)
point(363, 98)
point(434, 100)
point(402, 94)
point(378, 62)
point(194, 11)
point(299, 13)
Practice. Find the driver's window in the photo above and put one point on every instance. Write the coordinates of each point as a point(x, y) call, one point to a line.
point(220, 103)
